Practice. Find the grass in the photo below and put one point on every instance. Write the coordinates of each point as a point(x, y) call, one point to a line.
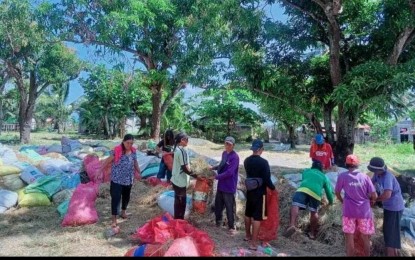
point(400, 157)
point(37, 231)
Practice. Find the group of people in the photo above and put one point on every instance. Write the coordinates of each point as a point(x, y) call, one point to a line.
point(355, 190)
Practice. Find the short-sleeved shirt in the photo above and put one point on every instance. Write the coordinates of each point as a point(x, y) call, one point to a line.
point(179, 177)
point(123, 171)
point(258, 167)
point(357, 187)
point(387, 181)
point(324, 154)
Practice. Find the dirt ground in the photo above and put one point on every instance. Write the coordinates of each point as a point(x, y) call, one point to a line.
point(37, 231)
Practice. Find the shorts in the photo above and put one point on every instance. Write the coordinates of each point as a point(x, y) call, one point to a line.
point(255, 206)
point(392, 228)
point(304, 201)
point(365, 226)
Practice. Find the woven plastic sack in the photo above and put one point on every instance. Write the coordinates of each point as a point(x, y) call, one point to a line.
point(81, 210)
point(200, 195)
point(8, 198)
point(269, 227)
point(184, 246)
point(168, 160)
point(32, 199)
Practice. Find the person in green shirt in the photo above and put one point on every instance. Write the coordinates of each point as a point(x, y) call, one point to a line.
point(308, 195)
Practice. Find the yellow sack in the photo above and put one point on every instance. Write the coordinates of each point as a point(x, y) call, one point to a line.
point(32, 199)
point(8, 169)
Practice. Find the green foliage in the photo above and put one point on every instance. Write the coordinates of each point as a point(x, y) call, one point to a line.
point(111, 95)
point(222, 110)
point(379, 127)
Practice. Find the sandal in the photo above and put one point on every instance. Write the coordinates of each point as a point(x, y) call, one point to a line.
point(247, 239)
point(289, 232)
point(253, 248)
point(312, 237)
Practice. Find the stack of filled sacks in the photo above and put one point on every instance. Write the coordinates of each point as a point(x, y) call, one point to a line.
point(9, 174)
point(149, 164)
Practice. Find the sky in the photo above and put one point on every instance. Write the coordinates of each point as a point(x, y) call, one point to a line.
point(87, 53)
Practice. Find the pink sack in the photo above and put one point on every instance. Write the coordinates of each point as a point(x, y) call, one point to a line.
point(184, 246)
point(81, 210)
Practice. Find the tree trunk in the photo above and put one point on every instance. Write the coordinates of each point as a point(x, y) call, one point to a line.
point(156, 99)
point(345, 135)
point(122, 126)
point(143, 121)
point(292, 136)
point(327, 115)
point(106, 126)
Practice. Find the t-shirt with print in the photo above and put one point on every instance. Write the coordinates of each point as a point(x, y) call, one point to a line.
point(179, 177)
point(357, 188)
point(387, 181)
point(123, 171)
point(324, 154)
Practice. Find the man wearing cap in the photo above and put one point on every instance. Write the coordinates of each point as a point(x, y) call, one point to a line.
point(308, 196)
point(227, 176)
point(255, 210)
point(389, 193)
point(359, 196)
point(322, 151)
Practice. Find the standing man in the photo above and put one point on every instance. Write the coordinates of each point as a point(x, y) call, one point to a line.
point(321, 151)
point(255, 210)
point(389, 193)
point(227, 180)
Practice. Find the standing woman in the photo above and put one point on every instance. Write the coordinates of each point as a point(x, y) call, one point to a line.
point(124, 170)
point(390, 194)
point(164, 147)
point(180, 174)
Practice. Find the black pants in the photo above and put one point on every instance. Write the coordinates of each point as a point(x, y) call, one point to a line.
point(179, 201)
point(119, 192)
point(225, 200)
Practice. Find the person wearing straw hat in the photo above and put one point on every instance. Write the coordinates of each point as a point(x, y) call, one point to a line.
point(359, 196)
point(389, 193)
point(227, 178)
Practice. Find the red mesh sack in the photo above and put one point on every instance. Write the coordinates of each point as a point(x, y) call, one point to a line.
point(269, 227)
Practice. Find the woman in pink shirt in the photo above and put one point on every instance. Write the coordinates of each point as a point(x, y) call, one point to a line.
point(359, 196)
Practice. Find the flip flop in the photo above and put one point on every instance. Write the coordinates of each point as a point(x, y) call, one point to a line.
point(253, 248)
point(289, 232)
point(312, 237)
point(247, 239)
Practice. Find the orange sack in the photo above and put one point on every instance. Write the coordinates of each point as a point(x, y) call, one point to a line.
point(269, 227)
point(200, 195)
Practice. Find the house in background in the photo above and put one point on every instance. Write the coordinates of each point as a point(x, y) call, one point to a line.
point(403, 131)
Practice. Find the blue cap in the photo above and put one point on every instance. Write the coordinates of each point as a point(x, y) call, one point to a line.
point(256, 145)
point(319, 139)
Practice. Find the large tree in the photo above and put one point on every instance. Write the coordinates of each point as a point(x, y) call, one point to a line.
point(369, 53)
point(172, 39)
point(32, 58)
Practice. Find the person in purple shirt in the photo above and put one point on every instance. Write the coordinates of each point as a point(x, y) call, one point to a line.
point(359, 196)
point(389, 191)
point(227, 176)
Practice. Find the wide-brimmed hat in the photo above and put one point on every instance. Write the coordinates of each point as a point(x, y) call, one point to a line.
point(377, 164)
